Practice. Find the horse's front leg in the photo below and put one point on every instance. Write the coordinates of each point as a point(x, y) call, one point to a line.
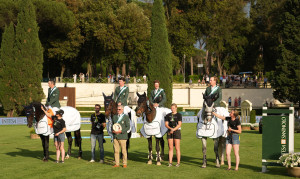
point(70, 140)
point(150, 150)
point(204, 143)
point(45, 147)
point(216, 150)
point(222, 149)
point(162, 145)
point(158, 151)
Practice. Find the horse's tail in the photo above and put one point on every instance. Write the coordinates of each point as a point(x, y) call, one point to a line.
point(77, 137)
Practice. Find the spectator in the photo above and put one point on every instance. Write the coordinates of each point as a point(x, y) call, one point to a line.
point(235, 102)
point(229, 101)
point(190, 82)
point(203, 81)
point(265, 82)
point(75, 78)
point(127, 79)
point(207, 80)
point(224, 82)
point(145, 78)
point(240, 101)
point(267, 105)
point(199, 81)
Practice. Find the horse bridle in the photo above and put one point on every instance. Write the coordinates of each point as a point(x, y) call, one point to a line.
point(138, 107)
point(34, 116)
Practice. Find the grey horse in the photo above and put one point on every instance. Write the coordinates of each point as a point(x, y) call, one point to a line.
point(208, 108)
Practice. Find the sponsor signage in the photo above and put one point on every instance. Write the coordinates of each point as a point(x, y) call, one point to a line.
point(84, 120)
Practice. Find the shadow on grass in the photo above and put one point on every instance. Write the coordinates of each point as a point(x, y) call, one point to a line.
point(38, 154)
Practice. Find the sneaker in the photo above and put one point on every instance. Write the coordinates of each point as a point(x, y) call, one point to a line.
point(115, 166)
point(62, 161)
point(124, 166)
point(169, 165)
point(92, 161)
point(101, 161)
point(56, 161)
point(178, 164)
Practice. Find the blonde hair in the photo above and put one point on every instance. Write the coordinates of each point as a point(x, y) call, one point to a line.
point(236, 114)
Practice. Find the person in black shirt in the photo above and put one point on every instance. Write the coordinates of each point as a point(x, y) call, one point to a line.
point(59, 128)
point(233, 138)
point(98, 124)
point(173, 123)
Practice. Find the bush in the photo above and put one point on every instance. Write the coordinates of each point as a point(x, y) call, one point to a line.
point(194, 78)
point(253, 117)
point(178, 78)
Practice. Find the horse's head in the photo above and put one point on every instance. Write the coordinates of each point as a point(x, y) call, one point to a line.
point(109, 105)
point(33, 112)
point(209, 105)
point(141, 108)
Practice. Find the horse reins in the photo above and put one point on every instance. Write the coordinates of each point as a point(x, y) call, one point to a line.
point(34, 117)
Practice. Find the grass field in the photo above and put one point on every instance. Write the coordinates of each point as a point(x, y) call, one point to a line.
point(20, 157)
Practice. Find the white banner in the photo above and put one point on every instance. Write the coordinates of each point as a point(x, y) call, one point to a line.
point(86, 120)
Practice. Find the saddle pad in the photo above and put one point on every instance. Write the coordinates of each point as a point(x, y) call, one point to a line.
point(43, 128)
point(207, 130)
point(152, 128)
point(72, 118)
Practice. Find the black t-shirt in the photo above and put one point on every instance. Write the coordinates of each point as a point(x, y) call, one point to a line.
point(58, 124)
point(96, 120)
point(233, 124)
point(173, 119)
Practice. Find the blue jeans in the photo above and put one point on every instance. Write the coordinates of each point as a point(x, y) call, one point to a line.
point(100, 141)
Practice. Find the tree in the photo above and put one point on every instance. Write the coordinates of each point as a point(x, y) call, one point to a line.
point(9, 85)
point(135, 32)
point(262, 53)
point(160, 62)
point(286, 77)
point(29, 57)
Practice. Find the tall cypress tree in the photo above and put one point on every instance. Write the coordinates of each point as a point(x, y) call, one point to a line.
point(160, 62)
point(7, 70)
point(29, 56)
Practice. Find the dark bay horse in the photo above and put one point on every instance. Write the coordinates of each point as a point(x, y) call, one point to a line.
point(110, 107)
point(206, 116)
point(150, 116)
point(34, 113)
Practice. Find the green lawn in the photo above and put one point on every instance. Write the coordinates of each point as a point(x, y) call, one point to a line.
point(20, 157)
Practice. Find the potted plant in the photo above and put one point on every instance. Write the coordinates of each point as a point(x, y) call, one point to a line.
point(246, 126)
point(291, 162)
point(33, 135)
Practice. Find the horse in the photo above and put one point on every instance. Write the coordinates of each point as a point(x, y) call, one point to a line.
point(35, 114)
point(110, 107)
point(211, 127)
point(152, 116)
